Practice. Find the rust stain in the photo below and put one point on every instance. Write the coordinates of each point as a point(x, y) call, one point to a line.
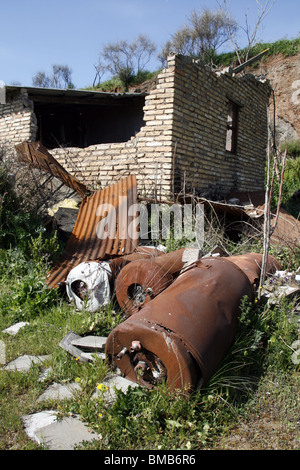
point(100, 230)
point(37, 156)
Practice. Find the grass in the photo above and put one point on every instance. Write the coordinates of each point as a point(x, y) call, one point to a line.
point(251, 402)
point(286, 47)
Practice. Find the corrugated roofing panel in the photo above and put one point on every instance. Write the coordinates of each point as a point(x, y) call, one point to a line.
point(101, 228)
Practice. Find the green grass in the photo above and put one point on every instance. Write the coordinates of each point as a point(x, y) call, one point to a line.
point(286, 47)
point(254, 390)
point(142, 419)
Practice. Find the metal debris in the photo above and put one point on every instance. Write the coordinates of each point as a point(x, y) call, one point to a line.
point(142, 280)
point(37, 156)
point(97, 236)
point(187, 329)
point(91, 284)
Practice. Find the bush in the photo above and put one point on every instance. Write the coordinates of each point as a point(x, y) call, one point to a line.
point(290, 188)
point(292, 148)
point(16, 224)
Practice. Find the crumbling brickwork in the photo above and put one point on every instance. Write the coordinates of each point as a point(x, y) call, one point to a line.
point(182, 144)
point(17, 120)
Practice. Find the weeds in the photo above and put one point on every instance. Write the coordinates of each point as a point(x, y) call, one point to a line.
point(257, 374)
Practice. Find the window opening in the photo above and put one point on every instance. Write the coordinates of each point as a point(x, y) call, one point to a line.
point(232, 126)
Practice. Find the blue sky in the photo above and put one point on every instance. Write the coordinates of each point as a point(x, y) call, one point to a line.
point(35, 34)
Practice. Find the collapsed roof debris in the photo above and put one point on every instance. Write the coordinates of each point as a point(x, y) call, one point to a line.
point(252, 205)
point(182, 335)
point(35, 155)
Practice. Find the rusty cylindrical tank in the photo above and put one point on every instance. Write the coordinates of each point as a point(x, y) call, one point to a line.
point(182, 335)
point(144, 279)
point(251, 264)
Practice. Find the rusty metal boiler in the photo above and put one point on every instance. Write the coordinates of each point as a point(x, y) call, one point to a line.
point(182, 334)
point(143, 279)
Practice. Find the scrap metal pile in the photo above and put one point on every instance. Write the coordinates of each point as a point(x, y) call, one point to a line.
point(181, 308)
point(182, 334)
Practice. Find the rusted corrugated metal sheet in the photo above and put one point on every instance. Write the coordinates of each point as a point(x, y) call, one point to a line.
point(100, 230)
point(183, 334)
point(37, 156)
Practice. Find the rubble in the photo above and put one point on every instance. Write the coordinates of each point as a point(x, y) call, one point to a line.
point(282, 284)
point(85, 349)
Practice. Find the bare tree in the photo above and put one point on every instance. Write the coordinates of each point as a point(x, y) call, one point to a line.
point(60, 78)
point(142, 49)
point(100, 71)
point(40, 79)
point(202, 36)
point(127, 59)
point(251, 33)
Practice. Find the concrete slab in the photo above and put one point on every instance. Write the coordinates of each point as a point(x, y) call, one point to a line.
point(13, 329)
point(91, 356)
point(66, 343)
point(23, 363)
point(35, 422)
point(57, 391)
point(65, 434)
point(90, 342)
point(113, 382)
point(2, 353)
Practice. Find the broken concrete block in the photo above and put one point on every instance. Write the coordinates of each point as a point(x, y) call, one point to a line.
point(23, 363)
point(13, 330)
point(90, 356)
point(279, 292)
point(89, 342)
point(88, 346)
point(66, 343)
point(58, 391)
point(45, 429)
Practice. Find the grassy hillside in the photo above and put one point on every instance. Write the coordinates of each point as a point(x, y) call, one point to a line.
point(286, 47)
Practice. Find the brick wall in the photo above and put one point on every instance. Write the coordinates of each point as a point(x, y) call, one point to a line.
point(149, 154)
point(185, 119)
point(200, 127)
point(17, 119)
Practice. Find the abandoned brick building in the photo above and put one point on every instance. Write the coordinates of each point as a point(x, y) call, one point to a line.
point(194, 130)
